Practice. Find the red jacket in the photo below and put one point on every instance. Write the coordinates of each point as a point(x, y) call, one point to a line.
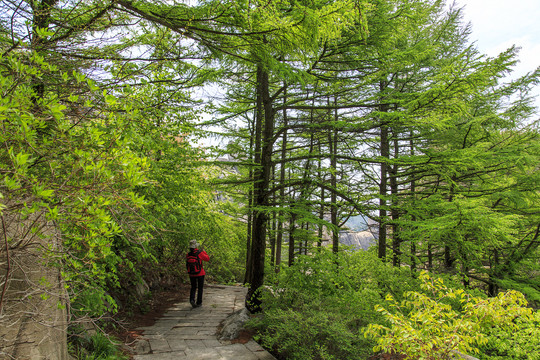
point(204, 257)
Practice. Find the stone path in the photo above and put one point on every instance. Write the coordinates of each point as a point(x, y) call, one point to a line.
point(190, 333)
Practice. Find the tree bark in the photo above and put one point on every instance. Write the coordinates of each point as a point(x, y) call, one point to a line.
point(333, 141)
point(385, 153)
point(292, 227)
point(279, 239)
point(262, 182)
point(255, 147)
point(396, 240)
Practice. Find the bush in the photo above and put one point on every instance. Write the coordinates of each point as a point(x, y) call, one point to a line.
point(318, 331)
point(94, 347)
point(519, 339)
point(434, 324)
point(316, 308)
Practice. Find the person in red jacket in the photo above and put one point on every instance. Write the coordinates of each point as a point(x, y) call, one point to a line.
point(196, 272)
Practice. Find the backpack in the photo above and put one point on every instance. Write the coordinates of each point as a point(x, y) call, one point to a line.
point(193, 263)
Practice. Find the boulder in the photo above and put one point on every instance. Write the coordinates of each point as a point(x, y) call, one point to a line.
point(33, 316)
point(233, 325)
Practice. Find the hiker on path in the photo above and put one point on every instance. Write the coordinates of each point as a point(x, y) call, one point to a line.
point(196, 272)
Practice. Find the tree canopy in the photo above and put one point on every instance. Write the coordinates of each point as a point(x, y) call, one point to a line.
point(316, 112)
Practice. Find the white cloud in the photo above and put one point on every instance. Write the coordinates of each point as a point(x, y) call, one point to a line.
point(499, 24)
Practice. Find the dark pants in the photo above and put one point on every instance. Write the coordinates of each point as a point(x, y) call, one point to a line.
point(197, 282)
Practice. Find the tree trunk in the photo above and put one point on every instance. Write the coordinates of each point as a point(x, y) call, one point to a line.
point(279, 239)
point(396, 240)
point(385, 155)
point(333, 141)
point(382, 192)
point(262, 183)
point(41, 20)
point(430, 257)
point(448, 260)
point(306, 242)
point(413, 196)
point(292, 227)
point(321, 215)
point(493, 289)
point(274, 227)
point(255, 151)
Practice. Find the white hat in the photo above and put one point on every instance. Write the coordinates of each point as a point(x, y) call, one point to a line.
point(193, 244)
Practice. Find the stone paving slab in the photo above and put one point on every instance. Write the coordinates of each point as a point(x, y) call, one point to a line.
point(190, 333)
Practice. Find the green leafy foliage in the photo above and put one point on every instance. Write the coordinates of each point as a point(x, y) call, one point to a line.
point(329, 306)
point(182, 206)
point(96, 144)
point(94, 347)
point(438, 321)
point(76, 172)
point(316, 308)
point(517, 339)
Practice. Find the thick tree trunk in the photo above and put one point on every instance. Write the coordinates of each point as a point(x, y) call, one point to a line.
point(255, 148)
point(262, 182)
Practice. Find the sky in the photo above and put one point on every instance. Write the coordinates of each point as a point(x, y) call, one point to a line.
point(499, 24)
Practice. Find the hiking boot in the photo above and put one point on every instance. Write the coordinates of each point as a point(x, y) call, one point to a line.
point(192, 302)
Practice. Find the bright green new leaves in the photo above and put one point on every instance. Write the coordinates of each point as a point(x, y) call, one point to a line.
point(435, 323)
point(75, 171)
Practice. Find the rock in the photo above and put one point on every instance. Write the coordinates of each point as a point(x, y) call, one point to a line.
point(142, 289)
point(233, 325)
point(459, 356)
point(141, 346)
point(357, 239)
point(33, 312)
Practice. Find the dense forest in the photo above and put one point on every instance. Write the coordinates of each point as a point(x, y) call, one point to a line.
point(263, 128)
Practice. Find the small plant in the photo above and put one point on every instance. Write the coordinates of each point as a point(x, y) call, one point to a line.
point(434, 324)
point(96, 347)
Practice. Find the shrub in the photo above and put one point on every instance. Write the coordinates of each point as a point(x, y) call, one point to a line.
point(317, 331)
point(433, 324)
point(518, 340)
point(316, 308)
point(97, 346)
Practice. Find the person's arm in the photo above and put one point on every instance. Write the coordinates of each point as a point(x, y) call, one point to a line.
point(204, 256)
